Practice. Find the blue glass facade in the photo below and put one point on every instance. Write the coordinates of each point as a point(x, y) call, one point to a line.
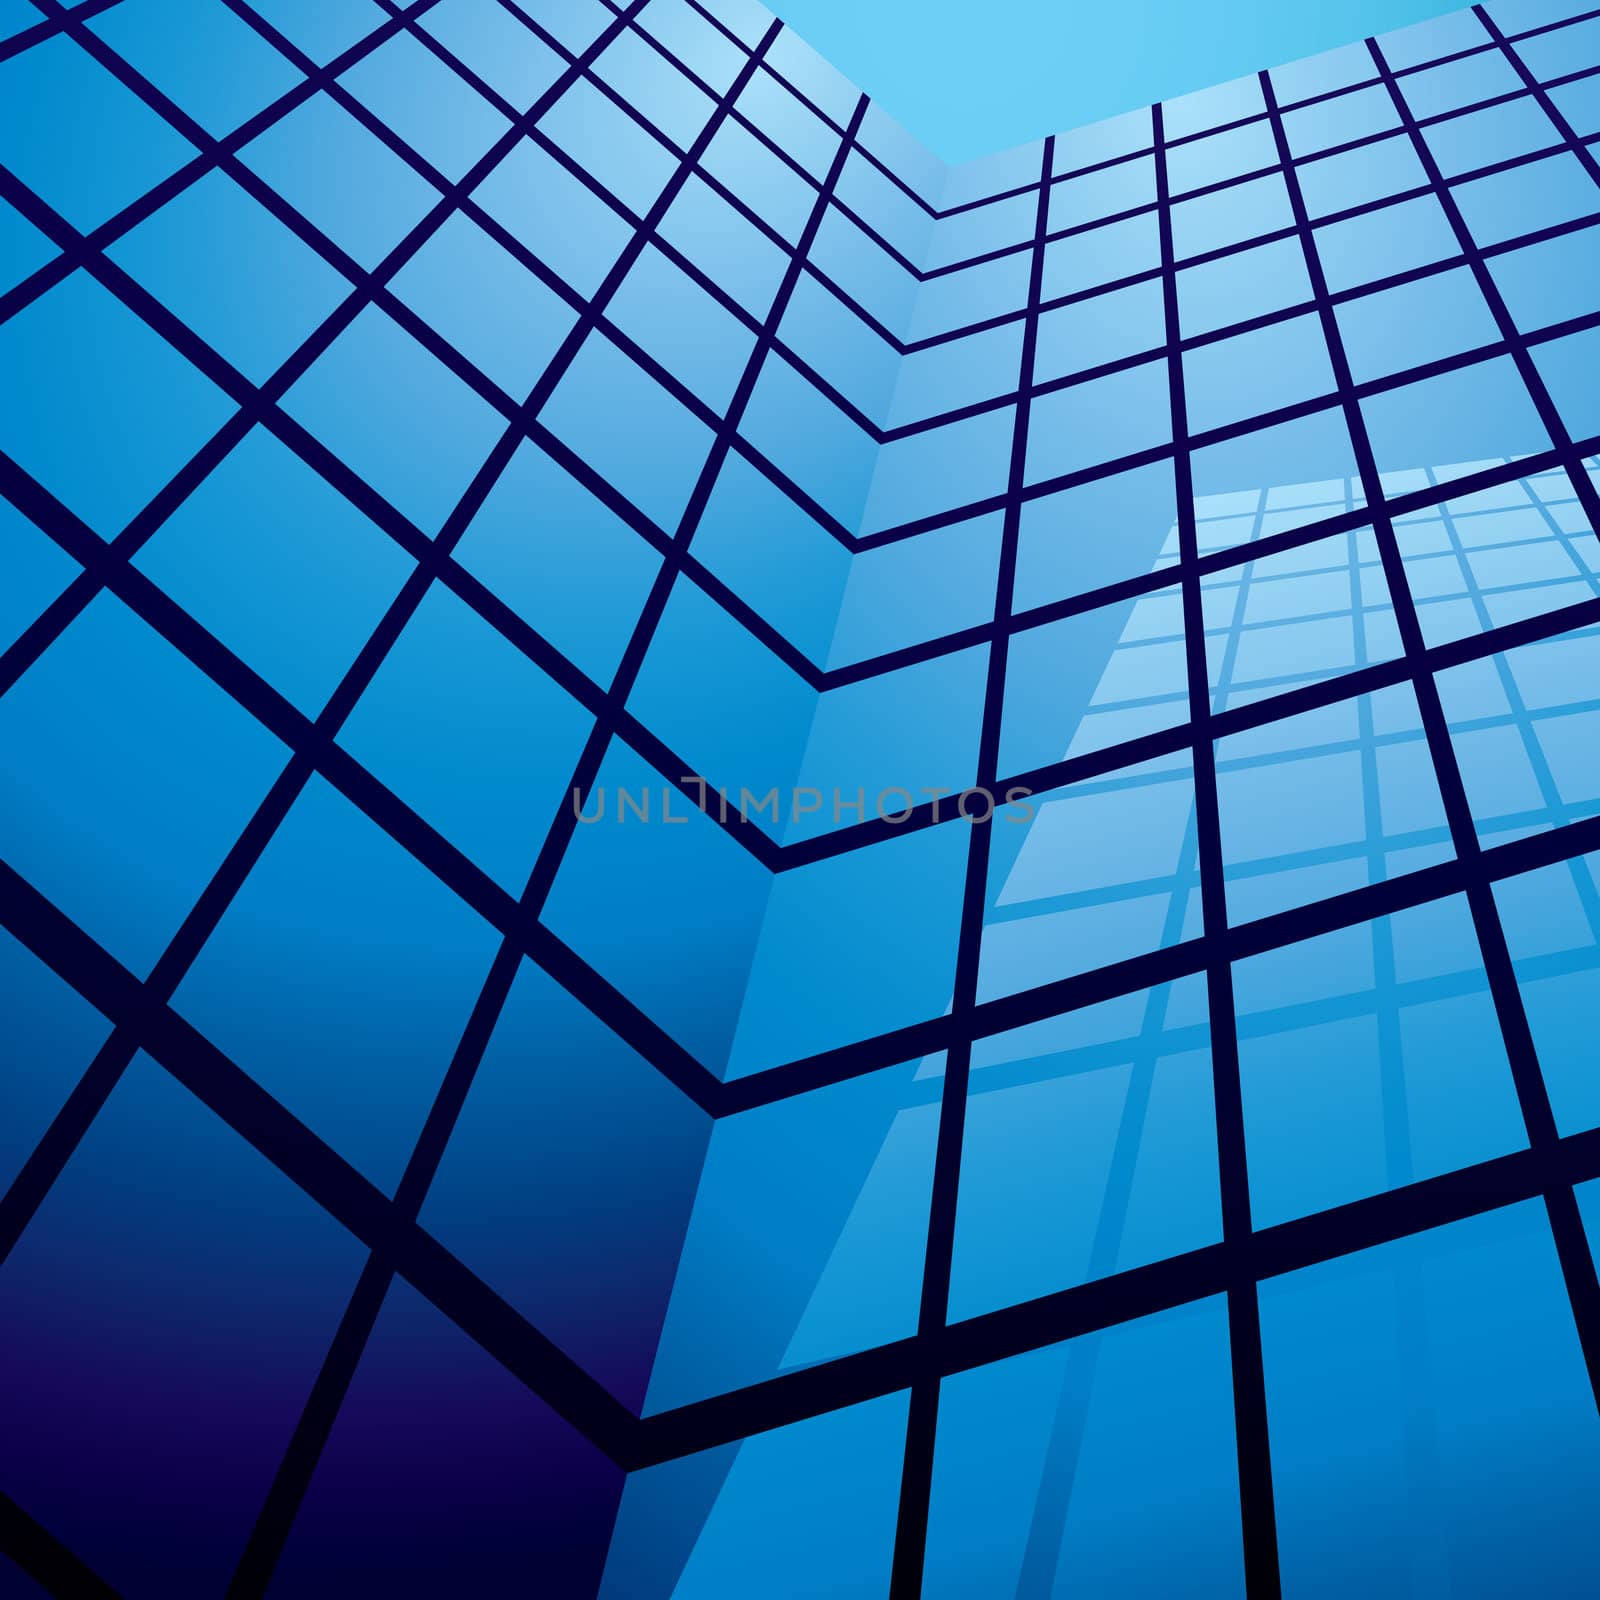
point(734, 866)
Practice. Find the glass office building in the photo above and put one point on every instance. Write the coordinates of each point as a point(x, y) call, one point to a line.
point(733, 866)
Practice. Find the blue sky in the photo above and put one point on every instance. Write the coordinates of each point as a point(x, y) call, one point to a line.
point(973, 76)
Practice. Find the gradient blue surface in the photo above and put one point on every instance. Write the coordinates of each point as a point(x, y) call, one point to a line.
point(969, 80)
point(733, 865)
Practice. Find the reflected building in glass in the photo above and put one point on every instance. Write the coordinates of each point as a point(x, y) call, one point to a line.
point(733, 865)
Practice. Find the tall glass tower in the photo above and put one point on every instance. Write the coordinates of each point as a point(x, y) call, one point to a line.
point(735, 867)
